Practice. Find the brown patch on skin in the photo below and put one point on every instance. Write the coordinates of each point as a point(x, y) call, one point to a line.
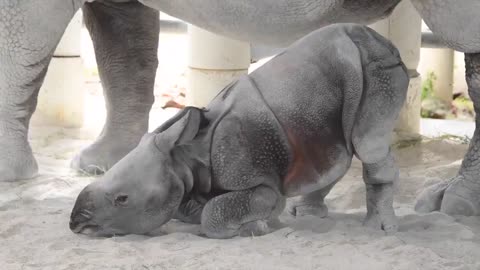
point(310, 161)
point(322, 154)
point(297, 167)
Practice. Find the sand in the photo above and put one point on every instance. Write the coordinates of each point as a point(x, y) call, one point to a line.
point(34, 217)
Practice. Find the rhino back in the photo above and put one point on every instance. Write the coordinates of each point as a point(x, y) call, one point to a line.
point(294, 116)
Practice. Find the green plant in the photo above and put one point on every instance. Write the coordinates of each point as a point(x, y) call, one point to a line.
point(427, 85)
point(464, 102)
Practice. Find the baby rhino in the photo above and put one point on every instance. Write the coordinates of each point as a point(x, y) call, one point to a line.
point(290, 128)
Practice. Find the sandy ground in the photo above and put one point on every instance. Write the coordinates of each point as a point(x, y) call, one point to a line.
point(34, 214)
point(34, 218)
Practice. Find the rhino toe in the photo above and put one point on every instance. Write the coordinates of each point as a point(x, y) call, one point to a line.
point(254, 228)
point(298, 209)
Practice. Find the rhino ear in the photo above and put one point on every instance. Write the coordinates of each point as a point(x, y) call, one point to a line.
point(181, 128)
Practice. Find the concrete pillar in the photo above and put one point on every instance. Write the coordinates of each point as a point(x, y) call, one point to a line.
point(61, 99)
point(403, 28)
point(214, 61)
point(440, 61)
point(459, 82)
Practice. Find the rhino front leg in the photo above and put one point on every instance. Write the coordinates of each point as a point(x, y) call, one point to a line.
point(125, 37)
point(189, 212)
point(243, 213)
point(29, 33)
point(311, 204)
point(461, 195)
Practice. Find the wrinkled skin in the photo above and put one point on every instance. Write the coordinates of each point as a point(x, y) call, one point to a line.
point(231, 166)
point(125, 36)
point(106, 207)
point(143, 192)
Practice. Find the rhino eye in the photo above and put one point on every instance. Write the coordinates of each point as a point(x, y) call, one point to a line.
point(121, 200)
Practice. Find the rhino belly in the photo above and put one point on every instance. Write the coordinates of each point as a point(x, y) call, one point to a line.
point(315, 171)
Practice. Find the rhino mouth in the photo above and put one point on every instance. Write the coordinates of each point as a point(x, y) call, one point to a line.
point(82, 224)
point(85, 228)
point(93, 230)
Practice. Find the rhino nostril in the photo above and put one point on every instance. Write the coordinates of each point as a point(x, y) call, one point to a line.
point(73, 225)
point(85, 215)
point(79, 217)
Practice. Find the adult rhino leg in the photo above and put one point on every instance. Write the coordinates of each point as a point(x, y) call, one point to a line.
point(461, 195)
point(29, 33)
point(125, 37)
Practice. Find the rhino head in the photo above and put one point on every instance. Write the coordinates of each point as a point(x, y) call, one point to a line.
point(144, 189)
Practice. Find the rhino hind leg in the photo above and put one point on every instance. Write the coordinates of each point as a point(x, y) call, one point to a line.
point(379, 180)
point(125, 37)
point(379, 174)
point(311, 204)
point(385, 88)
point(460, 195)
point(242, 213)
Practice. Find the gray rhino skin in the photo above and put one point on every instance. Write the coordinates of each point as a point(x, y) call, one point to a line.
point(125, 36)
point(290, 128)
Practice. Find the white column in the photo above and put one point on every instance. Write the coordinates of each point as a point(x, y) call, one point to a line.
point(403, 28)
point(61, 99)
point(459, 82)
point(214, 61)
point(440, 61)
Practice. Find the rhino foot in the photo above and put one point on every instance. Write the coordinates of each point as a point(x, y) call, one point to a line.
point(299, 208)
point(380, 212)
point(457, 196)
point(430, 199)
point(254, 228)
point(16, 160)
point(386, 222)
point(462, 198)
point(102, 155)
point(189, 212)
point(311, 204)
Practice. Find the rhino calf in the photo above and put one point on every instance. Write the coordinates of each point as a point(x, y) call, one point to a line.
point(290, 128)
